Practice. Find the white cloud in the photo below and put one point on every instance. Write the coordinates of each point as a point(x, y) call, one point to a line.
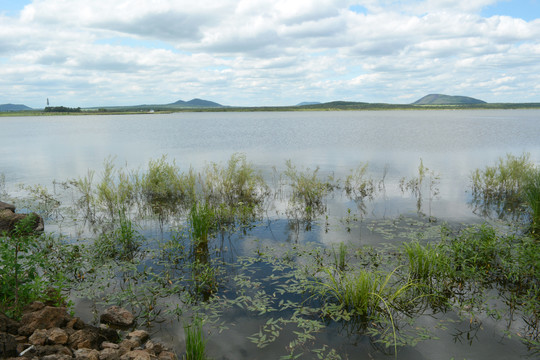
point(264, 52)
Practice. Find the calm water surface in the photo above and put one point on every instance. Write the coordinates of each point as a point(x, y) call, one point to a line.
point(38, 150)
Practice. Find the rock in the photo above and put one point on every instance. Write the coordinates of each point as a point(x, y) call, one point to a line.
point(6, 206)
point(117, 316)
point(56, 357)
point(137, 355)
point(86, 354)
point(140, 335)
point(109, 354)
point(109, 345)
point(8, 346)
point(167, 355)
point(88, 338)
point(154, 348)
point(39, 337)
point(45, 350)
point(46, 318)
point(109, 334)
point(76, 324)
point(33, 306)
point(57, 336)
point(8, 220)
point(128, 344)
point(8, 325)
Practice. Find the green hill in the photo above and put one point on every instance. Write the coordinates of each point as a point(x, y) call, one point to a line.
point(196, 103)
point(14, 107)
point(440, 99)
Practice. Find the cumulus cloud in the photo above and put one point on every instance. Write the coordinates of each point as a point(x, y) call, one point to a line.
point(264, 52)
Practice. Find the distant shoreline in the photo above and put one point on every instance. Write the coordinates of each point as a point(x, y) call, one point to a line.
point(316, 107)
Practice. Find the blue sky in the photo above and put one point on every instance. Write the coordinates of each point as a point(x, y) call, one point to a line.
point(267, 52)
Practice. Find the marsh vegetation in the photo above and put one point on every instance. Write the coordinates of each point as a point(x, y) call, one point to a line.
point(181, 246)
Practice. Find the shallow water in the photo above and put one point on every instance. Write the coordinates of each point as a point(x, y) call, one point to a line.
point(38, 150)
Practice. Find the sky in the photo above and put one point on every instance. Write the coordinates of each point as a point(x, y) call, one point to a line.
point(266, 52)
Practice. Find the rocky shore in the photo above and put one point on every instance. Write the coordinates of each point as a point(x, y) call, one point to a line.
point(50, 333)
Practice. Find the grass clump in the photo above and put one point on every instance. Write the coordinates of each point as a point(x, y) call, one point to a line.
point(165, 190)
point(195, 342)
point(236, 191)
point(309, 191)
point(426, 262)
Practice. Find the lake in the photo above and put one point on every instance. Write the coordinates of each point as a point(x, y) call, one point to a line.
point(47, 149)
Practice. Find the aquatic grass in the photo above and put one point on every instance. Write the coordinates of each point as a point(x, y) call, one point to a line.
point(307, 200)
point(426, 262)
point(532, 196)
point(415, 186)
point(195, 342)
point(236, 191)
point(340, 257)
point(505, 179)
point(165, 190)
point(358, 186)
point(361, 291)
point(201, 221)
point(123, 243)
point(501, 189)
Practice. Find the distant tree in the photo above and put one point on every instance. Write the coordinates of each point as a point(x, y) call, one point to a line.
point(61, 109)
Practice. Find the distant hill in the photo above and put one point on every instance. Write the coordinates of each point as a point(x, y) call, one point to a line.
point(14, 107)
point(308, 103)
point(196, 103)
point(440, 99)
